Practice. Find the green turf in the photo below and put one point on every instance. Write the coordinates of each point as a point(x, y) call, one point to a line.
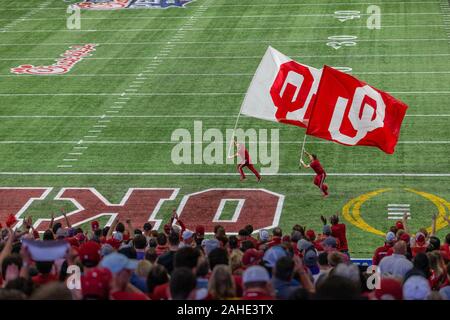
point(219, 53)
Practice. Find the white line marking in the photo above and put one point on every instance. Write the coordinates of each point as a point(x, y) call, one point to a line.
point(177, 142)
point(170, 94)
point(329, 15)
point(70, 159)
point(65, 166)
point(253, 42)
point(398, 205)
point(229, 74)
point(417, 175)
point(75, 153)
point(406, 55)
point(175, 116)
point(225, 28)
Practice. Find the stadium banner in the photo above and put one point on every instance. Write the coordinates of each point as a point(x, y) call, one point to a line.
point(350, 112)
point(130, 4)
point(282, 90)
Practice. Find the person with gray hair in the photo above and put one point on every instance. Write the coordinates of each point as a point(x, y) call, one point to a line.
point(396, 265)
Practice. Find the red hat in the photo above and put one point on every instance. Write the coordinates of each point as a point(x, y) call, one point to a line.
point(399, 225)
point(252, 257)
point(390, 289)
point(96, 283)
point(95, 225)
point(10, 220)
point(420, 238)
point(73, 242)
point(310, 234)
point(114, 243)
point(405, 237)
point(200, 230)
point(89, 251)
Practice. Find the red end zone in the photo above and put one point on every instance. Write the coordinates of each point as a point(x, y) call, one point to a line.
point(259, 207)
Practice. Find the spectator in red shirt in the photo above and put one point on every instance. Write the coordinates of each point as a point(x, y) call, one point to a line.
point(276, 237)
point(45, 273)
point(249, 229)
point(257, 285)
point(338, 230)
point(382, 251)
point(162, 246)
point(311, 237)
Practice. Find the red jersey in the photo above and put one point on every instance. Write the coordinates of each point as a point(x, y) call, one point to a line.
point(243, 154)
point(317, 167)
point(338, 231)
point(380, 253)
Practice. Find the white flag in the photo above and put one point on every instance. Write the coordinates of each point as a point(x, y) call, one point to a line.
point(282, 90)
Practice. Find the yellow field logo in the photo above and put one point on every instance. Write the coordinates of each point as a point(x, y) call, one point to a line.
point(352, 209)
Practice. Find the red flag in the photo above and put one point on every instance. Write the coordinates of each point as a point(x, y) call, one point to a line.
point(350, 112)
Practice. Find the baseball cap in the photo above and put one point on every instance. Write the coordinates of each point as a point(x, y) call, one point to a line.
point(106, 249)
point(95, 225)
point(116, 262)
point(310, 258)
point(273, 255)
point(326, 229)
point(89, 251)
point(255, 274)
point(114, 243)
point(210, 244)
point(390, 289)
point(95, 283)
point(420, 238)
point(200, 230)
point(405, 237)
point(330, 242)
point(310, 234)
point(304, 245)
point(390, 236)
point(187, 234)
point(264, 235)
point(252, 257)
point(416, 288)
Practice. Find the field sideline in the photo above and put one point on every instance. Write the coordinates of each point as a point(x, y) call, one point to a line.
point(108, 122)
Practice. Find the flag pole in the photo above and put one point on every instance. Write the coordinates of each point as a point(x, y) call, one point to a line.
point(302, 150)
point(234, 130)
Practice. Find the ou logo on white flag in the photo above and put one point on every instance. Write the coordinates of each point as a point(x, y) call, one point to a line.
point(363, 116)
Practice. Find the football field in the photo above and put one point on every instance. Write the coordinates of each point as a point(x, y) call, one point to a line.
point(108, 122)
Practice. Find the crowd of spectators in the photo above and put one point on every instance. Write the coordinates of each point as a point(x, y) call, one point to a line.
point(125, 262)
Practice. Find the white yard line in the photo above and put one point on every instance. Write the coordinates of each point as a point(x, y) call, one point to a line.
point(204, 142)
point(224, 28)
point(240, 42)
point(330, 15)
point(170, 94)
point(212, 174)
point(268, 5)
point(402, 56)
point(220, 74)
point(187, 116)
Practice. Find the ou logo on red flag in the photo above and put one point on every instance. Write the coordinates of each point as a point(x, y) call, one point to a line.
point(293, 92)
point(350, 112)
